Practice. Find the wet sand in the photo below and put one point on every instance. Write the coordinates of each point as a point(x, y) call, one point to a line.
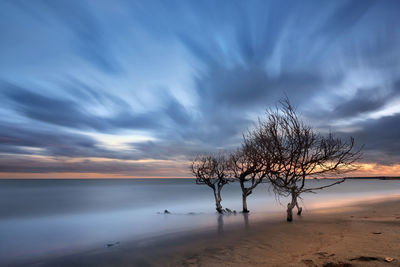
point(363, 234)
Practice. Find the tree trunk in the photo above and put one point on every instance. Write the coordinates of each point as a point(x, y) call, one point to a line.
point(244, 199)
point(299, 209)
point(217, 202)
point(244, 196)
point(289, 212)
point(220, 198)
point(290, 207)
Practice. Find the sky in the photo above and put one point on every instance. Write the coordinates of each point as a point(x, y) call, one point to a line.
point(96, 89)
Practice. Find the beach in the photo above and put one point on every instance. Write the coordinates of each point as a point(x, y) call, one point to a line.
point(353, 235)
point(361, 234)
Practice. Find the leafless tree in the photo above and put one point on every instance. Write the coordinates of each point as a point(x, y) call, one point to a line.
point(212, 171)
point(246, 167)
point(293, 151)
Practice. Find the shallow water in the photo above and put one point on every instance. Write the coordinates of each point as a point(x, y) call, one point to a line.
point(40, 218)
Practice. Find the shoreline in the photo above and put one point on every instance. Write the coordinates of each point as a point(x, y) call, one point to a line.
point(357, 235)
point(320, 236)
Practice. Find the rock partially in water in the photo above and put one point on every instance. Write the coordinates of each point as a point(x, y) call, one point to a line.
point(112, 244)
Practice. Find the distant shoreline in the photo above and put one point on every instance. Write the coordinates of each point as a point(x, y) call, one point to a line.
point(374, 178)
point(192, 178)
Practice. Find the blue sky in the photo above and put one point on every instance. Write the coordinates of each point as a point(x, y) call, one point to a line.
point(136, 88)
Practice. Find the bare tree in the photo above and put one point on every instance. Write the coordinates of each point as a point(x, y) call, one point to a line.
point(294, 151)
point(211, 170)
point(246, 167)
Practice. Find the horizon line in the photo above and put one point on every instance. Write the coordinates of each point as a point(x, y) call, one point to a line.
point(133, 178)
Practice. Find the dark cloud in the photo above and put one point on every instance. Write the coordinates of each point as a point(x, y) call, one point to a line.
point(74, 112)
point(252, 87)
point(48, 109)
point(18, 139)
point(380, 138)
point(364, 101)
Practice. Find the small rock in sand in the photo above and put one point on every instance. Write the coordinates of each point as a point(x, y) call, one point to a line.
point(389, 259)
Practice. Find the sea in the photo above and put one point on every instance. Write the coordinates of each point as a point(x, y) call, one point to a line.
point(52, 217)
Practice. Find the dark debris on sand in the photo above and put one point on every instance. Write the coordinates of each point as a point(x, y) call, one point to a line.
point(337, 264)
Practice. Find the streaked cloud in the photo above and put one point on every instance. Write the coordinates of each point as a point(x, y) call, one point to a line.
point(137, 88)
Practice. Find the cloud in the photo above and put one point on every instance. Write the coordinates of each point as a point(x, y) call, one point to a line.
point(90, 38)
point(365, 101)
point(73, 110)
point(21, 139)
point(26, 165)
point(380, 138)
point(346, 16)
point(189, 76)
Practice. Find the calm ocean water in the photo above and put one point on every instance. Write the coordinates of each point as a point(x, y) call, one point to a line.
point(40, 218)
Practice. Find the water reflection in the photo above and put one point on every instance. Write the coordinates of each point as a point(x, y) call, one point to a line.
point(220, 224)
point(246, 220)
point(222, 217)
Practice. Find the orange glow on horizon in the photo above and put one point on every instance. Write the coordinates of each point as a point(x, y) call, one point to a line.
point(174, 169)
point(374, 169)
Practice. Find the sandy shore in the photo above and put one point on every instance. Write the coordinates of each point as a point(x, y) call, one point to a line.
point(364, 234)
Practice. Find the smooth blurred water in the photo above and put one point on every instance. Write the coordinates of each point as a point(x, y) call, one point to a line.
point(40, 218)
